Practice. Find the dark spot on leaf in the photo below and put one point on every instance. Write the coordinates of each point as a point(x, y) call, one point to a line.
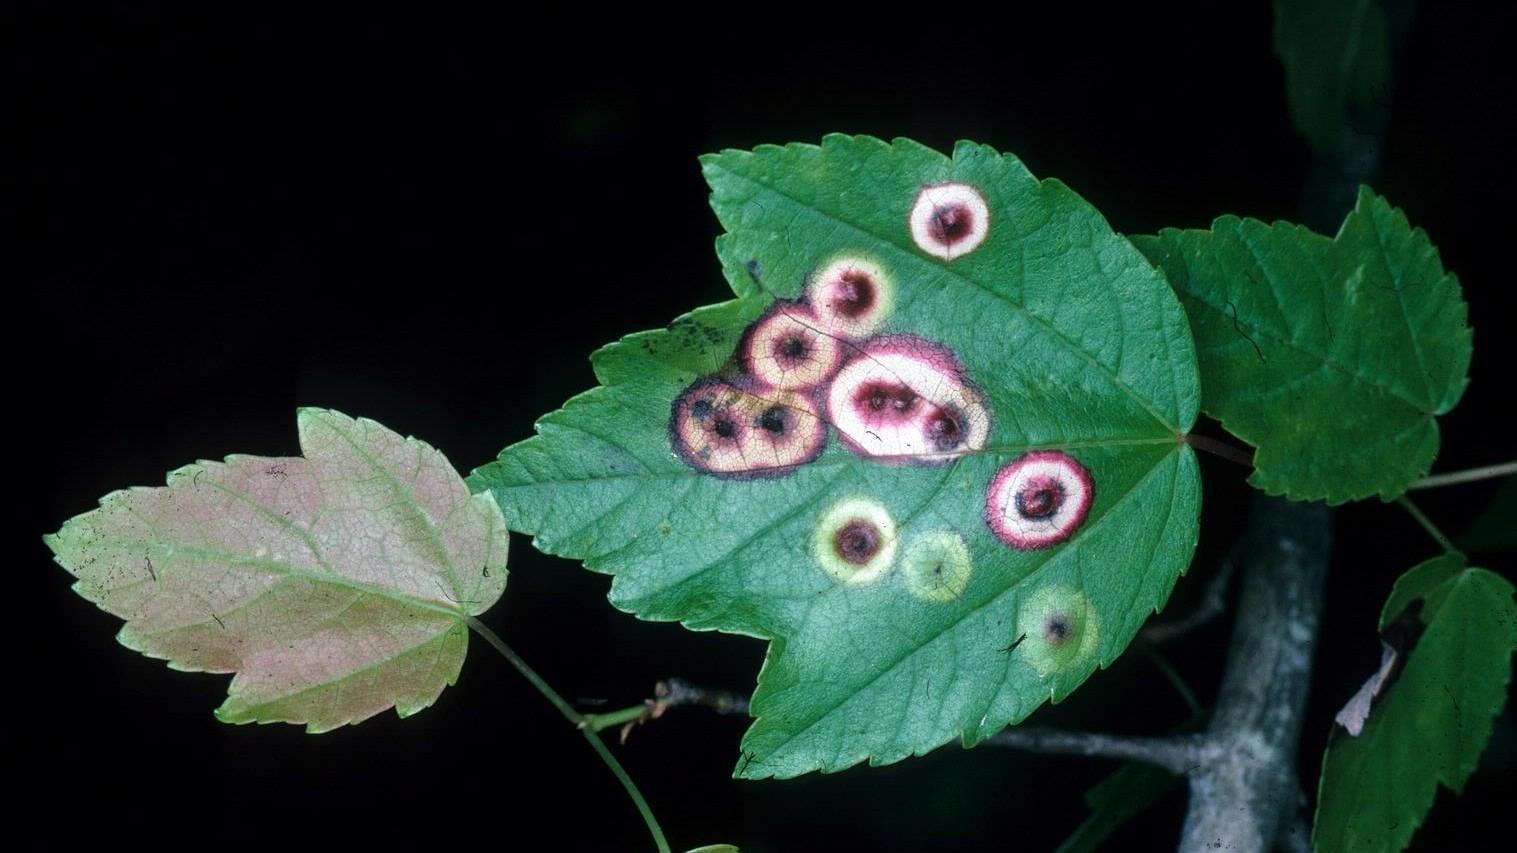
point(774, 420)
point(951, 223)
point(857, 541)
point(1056, 630)
point(855, 294)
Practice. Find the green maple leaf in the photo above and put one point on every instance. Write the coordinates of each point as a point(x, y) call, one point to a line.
point(813, 462)
point(1337, 58)
point(1331, 356)
point(1433, 722)
point(334, 585)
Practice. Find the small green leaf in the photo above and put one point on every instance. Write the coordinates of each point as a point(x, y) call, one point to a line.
point(1432, 723)
point(334, 585)
point(1332, 357)
point(1115, 800)
point(1337, 58)
point(1419, 582)
point(933, 451)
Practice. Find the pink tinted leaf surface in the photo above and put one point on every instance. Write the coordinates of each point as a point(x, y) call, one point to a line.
point(335, 585)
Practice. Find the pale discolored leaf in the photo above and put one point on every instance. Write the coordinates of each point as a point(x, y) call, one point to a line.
point(334, 585)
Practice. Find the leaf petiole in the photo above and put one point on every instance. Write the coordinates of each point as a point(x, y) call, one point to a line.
point(580, 721)
point(1221, 449)
point(1427, 524)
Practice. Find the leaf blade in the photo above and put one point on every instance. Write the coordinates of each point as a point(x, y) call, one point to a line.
point(1385, 350)
point(307, 576)
point(1072, 339)
point(1432, 724)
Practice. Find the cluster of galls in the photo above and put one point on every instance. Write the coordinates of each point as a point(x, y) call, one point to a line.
point(816, 361)
point(821, 360)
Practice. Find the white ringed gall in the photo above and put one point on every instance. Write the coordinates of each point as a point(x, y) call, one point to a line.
point(787, 348)
point(949, 220)
point(901, 398)
point(1038, 500)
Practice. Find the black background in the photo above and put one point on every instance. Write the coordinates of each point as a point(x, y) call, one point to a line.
point(431, 220)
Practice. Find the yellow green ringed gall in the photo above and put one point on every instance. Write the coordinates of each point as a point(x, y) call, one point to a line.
point(936, 566)
point(1058, 627)
point(855, 541)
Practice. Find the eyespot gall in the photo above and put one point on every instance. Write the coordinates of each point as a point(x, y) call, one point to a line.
point(850, 296)
point(1038, 500)
point(936, 566)
point(902, 398)
point(1059, 627)
point(788, 349)
point(721, 428)
point(949, 220)
point(855, 541)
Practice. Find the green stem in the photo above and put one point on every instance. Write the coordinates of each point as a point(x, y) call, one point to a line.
point(601, 722)
point(580, 721)
point(1175, 681)
point(1427, 524)
point(637, 796)
point(1469, 475)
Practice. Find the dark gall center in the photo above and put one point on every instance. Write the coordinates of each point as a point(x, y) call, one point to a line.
point(854, 295)
point(857, 541)
point(1040, 499)
point(879, 398)
point(945, 428)
point(1056, 630)
point(792, 348)
point(951, 223)
point(774, 420)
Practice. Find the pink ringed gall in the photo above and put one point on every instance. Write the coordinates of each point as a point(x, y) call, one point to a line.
point(902, 398)
point(1038, 500)
point(850, 296)
point(949, 220)
point(787, 348)
point(720, 428)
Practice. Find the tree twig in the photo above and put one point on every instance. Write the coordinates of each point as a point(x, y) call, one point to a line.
point(675, 692)
point(1469, 475)
point(1244, 792)
point(669, 693)
point(1179, 754)
point(1296, 835)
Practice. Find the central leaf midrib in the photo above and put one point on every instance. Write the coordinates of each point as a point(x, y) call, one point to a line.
point(948, 272)
point(284, 569)
point(1086, 531)
point(840, 459)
